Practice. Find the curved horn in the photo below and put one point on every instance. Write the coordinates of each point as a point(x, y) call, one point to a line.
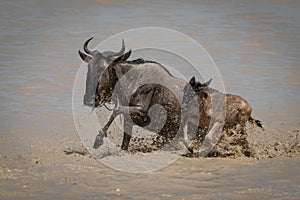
point(121, 58)
point(85, 46)
point(122, 48)
point(114, 54)
point(86, 58)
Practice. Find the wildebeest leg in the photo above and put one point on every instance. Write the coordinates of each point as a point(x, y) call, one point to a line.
point(211, 138)
point(116, 112)
point(103, 133)
point(127, 134)
point(128, 123)
point(111, 119)
point(142, 98)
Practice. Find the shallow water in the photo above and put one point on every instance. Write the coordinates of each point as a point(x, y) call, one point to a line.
point(254, 44)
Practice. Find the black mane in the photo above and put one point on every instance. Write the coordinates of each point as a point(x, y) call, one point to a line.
point(140, 61)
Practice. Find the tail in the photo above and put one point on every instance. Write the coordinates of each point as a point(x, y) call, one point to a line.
point(257, 122)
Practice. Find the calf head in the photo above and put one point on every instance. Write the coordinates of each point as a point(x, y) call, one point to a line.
point(200, 88)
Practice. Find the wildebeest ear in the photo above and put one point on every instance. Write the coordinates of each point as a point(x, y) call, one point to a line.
point(84, 57)
point(122, 58)
point(207, 83)
point(126, 55)
point(193, 81)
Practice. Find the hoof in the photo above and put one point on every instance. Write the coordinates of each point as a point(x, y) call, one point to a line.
point(191, 150)
point(124, 148)
point(99, 140)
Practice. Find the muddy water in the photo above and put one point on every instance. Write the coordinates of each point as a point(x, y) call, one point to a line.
point(255, 45)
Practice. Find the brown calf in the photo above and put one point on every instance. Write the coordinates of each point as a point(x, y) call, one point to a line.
point(213, 112)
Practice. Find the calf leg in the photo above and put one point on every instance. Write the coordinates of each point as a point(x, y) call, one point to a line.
point(211, 138)
point(185, 137)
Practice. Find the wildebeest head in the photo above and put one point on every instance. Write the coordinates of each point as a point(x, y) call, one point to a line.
point(108, 80)
point(97, 62)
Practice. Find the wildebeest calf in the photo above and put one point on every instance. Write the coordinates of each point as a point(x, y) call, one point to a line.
point(212, 111)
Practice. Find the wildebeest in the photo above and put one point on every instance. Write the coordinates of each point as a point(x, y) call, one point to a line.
point(214, 112)
point(134, 87)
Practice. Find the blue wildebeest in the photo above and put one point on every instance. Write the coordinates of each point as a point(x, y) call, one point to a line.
point(198, 99)
point(134, 87)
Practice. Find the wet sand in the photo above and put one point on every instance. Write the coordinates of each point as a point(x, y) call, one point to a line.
point(63, 168)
